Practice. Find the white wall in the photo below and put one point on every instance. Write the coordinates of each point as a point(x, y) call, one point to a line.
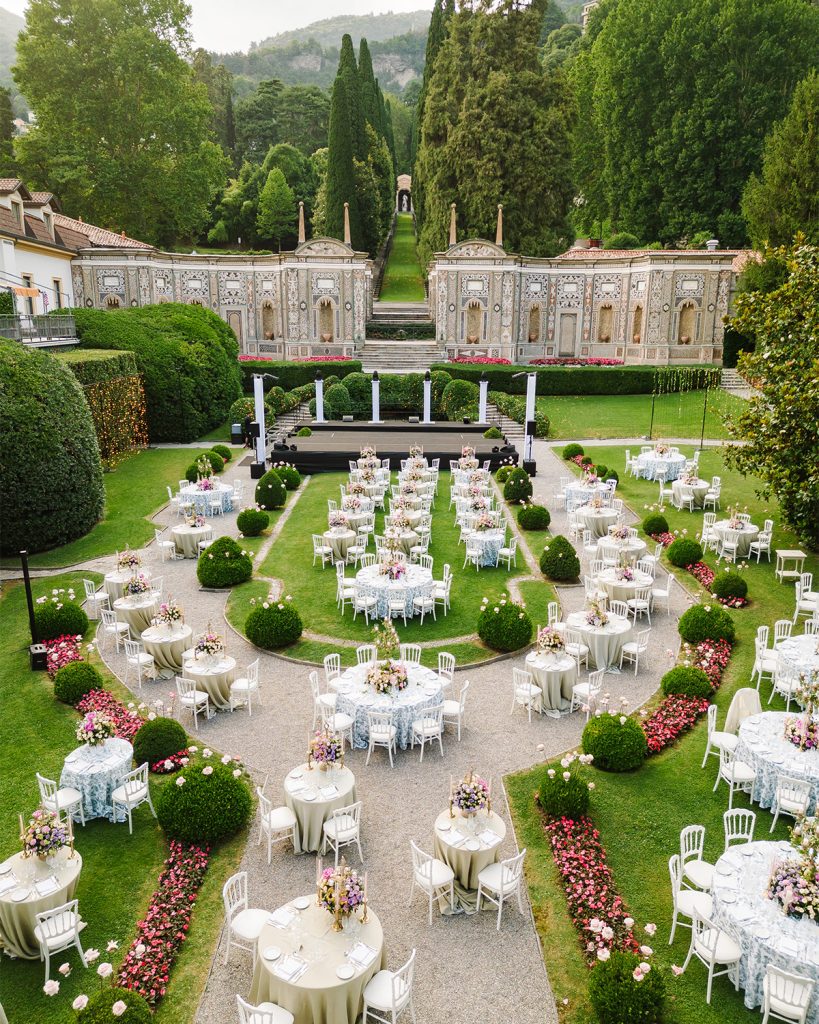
point(43, 268)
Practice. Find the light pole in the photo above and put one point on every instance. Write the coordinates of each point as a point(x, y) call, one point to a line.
point(427, 398)
point(529, 425)
point(319, 397)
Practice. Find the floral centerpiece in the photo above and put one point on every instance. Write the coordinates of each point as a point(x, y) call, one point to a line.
point(386, 639)
point(95, 728)
point(351, 503)
point(367, 452)
point(597, 502)
point(400, 521)
point(687, 477)
point(401, 502)
point(589, 477)
point(205, 484)
point(476, 479)
point(394, 568)
point(619, 533)
point(195, 520)
point(368, 475)
point(209, 645)
point(624, 573)
point(44, 835)
point(169, 613)
point(325, 750)
point(550, 640)
point(355, 488)
point(596, 614)
point(341, 892)
point(416, 451)
point(478, 504)
point(735, 523)
point(802, 732)
point(484, 522)
point(793, 881)
point(337, 520)
point(389, 677)
point(467, 452)
point(129, 560)
point(472, 794)
point(414, 474)
point(136, 585)
point(408, 487)
point(475, 491)
point(469, 463)
point(661, 448)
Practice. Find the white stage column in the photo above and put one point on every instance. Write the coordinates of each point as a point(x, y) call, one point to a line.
point(376, 399)
point(427, 398)
point(258, 398)
point(319, 398)
point(531, 386)
point(484, 388)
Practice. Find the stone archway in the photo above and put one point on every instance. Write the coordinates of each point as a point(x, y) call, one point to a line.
point(326, 321)
point(403, 193)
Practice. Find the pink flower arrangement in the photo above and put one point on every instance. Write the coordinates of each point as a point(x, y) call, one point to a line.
point(571, 361)
point(62, 651)
point(675, 715)
point(126, 722)
point(481, 360)
point(148, 962)
point(172, 763)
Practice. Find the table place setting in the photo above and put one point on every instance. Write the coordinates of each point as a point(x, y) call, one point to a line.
point(312, 791)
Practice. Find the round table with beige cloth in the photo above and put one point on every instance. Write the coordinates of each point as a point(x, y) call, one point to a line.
point(313, 810)
point(318, 996)
point(214, 679)
point(115, 581)
point(137, 611)
point(166, 646)
point(339, 539)
point(555, 675)
point(623, 590)
point(598, 520)
point(746, 536)
point(604, 642)
point(405, 540)
point(453, 839)
point(187, 539)
point(356, 520)
point(19, 919)
point(699, 488)
point(630, 549)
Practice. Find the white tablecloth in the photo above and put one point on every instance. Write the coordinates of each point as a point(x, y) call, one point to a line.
point(115, 581)
point(201, 499)
point(416, 582)
point(623, 590)
point(18, 919)
point(598, 520)
point(166, 647)
point(652, 466)
point(356, 699)
point(187, 538)
point(747, 534)
point(763, 746)
point(96, 772)
point(138, 611)
point(212, 678)
point(630, 549)
point(765, 934)
point(604, 642)
point(800, 653)
point(699, 488)
point(555, 675)
point(312, 807)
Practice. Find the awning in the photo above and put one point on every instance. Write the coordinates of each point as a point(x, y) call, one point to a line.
point(26, 293)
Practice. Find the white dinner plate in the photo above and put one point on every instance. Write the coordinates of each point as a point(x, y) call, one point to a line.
point(761, 931)
point(309, 795)
point(345, 971)
point(728, 897)
point(430, 691)
point(272, 953)
point(444, 828)
point(301, 902)
point(296, 773)
point(18, 895)
point(472, 845)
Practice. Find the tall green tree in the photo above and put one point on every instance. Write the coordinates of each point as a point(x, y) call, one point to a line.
point(303, 115)
point(123, 130)
point(219, 84)
point(438, 27)
point(298, 172)
point(348, 73)
point(257, 120)
point(673, 103)
point(340, 187)
point(783, 198)
point(778, 426)
point(277, 208)
point(6, 130)
point(368, 90)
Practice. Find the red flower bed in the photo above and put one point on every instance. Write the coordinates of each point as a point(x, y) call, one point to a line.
point(712, 656)
point(125, 721)
point(148, 962)
point(176, 761)
point(62, 651)
point(483, 360)
point(323, 359)
point(702, 573)
point(676, 715)
point(588, 884)
point(569, 361)
point(255, 359)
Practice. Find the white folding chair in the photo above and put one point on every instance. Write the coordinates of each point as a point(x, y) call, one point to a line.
point(338, 724)
point(686, 902)
point(428, 727)
point(525, 691)
point(191, 699)
point(576, 649)
point(243, 689)
point(112, 627)
point(57, 930)
point(364, 602)
point(782, 631)
point(366, 654)
point(320, 700)
point(446, 669)
point(243, 923)
point(585, 695)
point(382, 733)
point(137, 660)
point(277, 823)
point(410, 654)
point(132, 792)
point(634, 649)
point(697, 873)
point(762, 544)
point(663, 593)
point(166, 548)
point(397, 603)
point(332, 667)
point(785, 996)
point(737, 775)
point(500, 881)
point(454, 710)
point(94, 598)
point(766, 660)
point(508, 553)
point(716, 739)
point(60, 800)
point(739, 826)
point(390, 993)
point(640, 604)
point(264, 1013)
point(321, 550)
point(432, 876)
point(714, 948)
point(343, 829)
point(791, 796)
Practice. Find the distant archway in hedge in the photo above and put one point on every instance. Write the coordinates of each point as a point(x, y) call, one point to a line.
point(50, 470)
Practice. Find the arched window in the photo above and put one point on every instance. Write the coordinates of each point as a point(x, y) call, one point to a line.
point(637, 325)
point(326, 320)
point(474, 318)
point(112, 302)
point(196, 302)
point(688, 324)
point(605, 323)
point(534, 323)
point(268, 319)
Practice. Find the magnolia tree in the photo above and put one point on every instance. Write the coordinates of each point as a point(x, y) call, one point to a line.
point(778, 425)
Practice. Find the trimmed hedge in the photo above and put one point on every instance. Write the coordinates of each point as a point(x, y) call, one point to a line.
point(684, 552)
point(92, 366)
point(729, 584)
point(304, 432)
point(617, 998)
point(504, 626)
point(223, 564)
point(655, 524)
point(204, 809)
point(706, 622)
point(688, 681)
point(217, 463)
point(51, 621)
point(292, 375)
point(252, 521)
point(289, 475)
point(224, 451)
point(50, 469)
point(98, 1008)
point(518, 486)
point(562, 798)
point(273, 627)
point(337, 402)
point(460, 400)
point(73, 681)
point(493, 434)
point(438, 382)
point(503, 474)
point(241, 408)
point(534, 517)
point(270, 491)
point(559, 560)
point(157, 739)
point(186, 355)
point(571, 450)
point(616, 742)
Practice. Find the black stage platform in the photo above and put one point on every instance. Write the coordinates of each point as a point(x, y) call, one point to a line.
point(333, 445)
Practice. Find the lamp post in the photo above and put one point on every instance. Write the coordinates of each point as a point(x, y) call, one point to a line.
point(319, 397)
point(484, 388)
point(427, 398)
point(258, 403)
point(529, 425)
point(36, 651)
point(376, 399)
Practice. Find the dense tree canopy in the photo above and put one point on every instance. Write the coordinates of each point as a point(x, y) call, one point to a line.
point(123, 128)
point(674, 101)
point(275, 113)
point(277, 207)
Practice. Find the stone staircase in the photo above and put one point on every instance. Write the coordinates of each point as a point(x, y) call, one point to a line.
point(735, 384)
point(405, 314)
point(512, 431)
point(298, 417)
point(399, 356)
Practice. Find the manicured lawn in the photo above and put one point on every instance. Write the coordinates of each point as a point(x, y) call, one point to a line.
point(220, 433)
point(602, 416)
point(313, 588)
point(403, 280)
point(640, 814)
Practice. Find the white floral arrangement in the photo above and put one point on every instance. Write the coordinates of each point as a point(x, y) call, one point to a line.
point(209, 644)
point(661, 448)
point(169, 613)
point(389, 677)
point(550, 640)
point(596, 614)
point(368, 475)
point(355, 488)
point(367, 452)
point(95, 728)
point(351, 503)
point(337, 520)
point(400, 521)
point(409, 488)
point(476, 479)
point(467, 452)
point(478, 503)
point(136, 585)
point(469, 463)
point(129, 560)
point(416, 451)
point(484, 522)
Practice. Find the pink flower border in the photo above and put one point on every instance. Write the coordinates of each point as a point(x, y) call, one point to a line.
point(126, 722)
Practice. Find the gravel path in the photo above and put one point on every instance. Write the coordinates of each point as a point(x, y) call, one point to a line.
point(465, 970)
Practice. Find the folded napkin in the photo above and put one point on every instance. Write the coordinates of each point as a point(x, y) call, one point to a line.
point(456, 837)
point(362, 955)
point(281, 918)
point(328, 792)
point(46, 886)
point(295, 786)
point(9, 882)
point(489, 838)
point(290, 967)
point(788, 947)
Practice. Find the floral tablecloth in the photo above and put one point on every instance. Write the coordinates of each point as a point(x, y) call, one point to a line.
point(763, 746)
point(491, 541)
point(800, 653)
point(355, 699)
point(652, 466)
point(417, 582)
point(96, 772)
point(201, 499)
point(581, 494)
point(18, 918)
point(765, 934)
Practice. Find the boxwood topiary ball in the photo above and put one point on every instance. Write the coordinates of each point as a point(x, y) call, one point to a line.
point(572, 450)
point(654, 524)
point(504, 626)
point(503, 474)
point(252, 521)
point(223, 564)
point(706, 622)
point(729, 584)
point(74, 680)
point(684, 552)
point(518, 486)
point(69, 620)
point(224, 451)
point(601, 469)
point(492, 434)
point(98, 1008)
point(534, 517)
point(559, 560)
point(270, 491)
point(216, 461)
point(304, 432)
point(205, 808)
point(562, 798)
point(611, 474)
point(290, 476)
point(278, 625)
point(688, 681)
point(616, 742)
point(617, 998)
point(157, 739)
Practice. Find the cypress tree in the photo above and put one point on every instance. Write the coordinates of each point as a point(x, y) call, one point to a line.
point(370, 110)
point(348, 72)
point(340, 180)
point(438, 28)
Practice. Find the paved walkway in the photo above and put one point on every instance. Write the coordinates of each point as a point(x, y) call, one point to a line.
point(466, 971)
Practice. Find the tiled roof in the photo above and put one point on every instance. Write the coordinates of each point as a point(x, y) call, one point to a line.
point(94, 236)
point(12, 185)
point(41, 198)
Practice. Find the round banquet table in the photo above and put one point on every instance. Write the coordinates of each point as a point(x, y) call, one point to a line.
point(368, 462)
point(581, 494)
point(18, 918)
point(555, 675)
point(623, 590)
point(187, 539)
point(200, 500)
point(765, 934)
point(411, 501)
point(630, 549)
point(167, 646)
point(115, 581)
point(402, 540)
point(466, 847)
point(355, 698)
point(374, 489)
point(598, 520)
point(747, 534)
point(763, 746)
point(461, 476)
point(800, 653)
point(137, 611)
point(416, 582)
point(604, 642)
point(339, 538)
point(652, 466)
point(318, 996)
point(308, 794)
point(96, 772)
point(699, 488)
point(214, 679)
point(491, 541)
point(355, 520)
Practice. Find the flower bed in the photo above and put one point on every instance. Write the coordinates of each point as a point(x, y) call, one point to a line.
point(571, 361)
point(126, 722)
point(702, 573)
point(676, 715)
point(481, 360)
point(172, 763)
point(148, 962)
point(320, 359)
point(61, 652)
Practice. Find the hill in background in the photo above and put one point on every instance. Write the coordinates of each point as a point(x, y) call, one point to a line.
point(374, 27)
point(10, 27)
